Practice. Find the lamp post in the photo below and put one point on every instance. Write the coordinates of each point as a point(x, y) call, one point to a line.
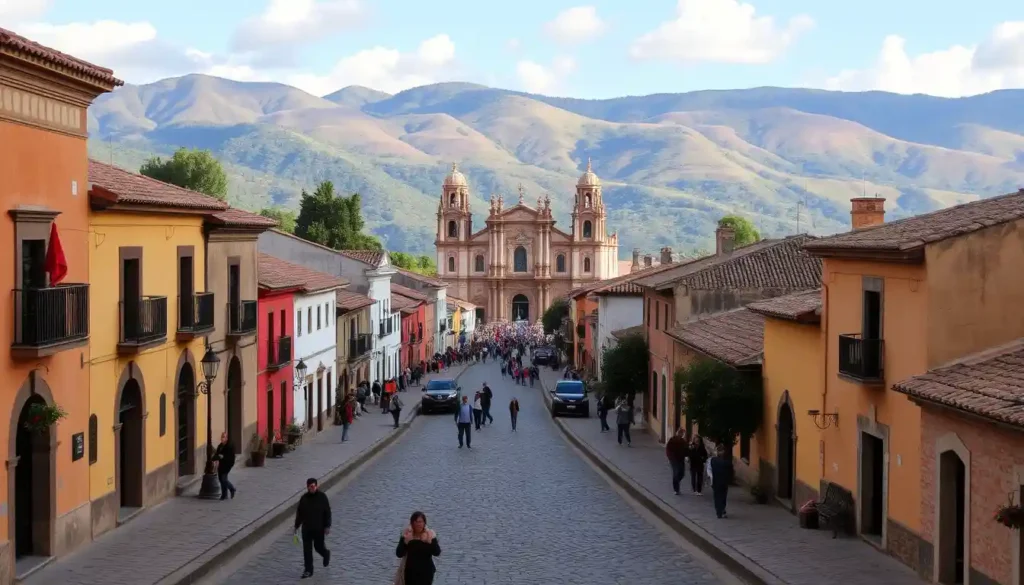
point(210, 489)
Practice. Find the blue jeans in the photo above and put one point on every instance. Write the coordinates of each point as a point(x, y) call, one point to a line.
point(225, 484)
point(344, 431)
point(721, 496)
point(678, 473)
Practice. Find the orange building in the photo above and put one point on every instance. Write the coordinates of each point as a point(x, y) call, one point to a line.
point(44, 96)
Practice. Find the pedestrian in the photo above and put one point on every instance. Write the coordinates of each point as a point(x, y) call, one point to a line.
point(485, 401)
point(417, 548)
point(624, 418)
point(313, 516)
point(225, 458)
point(698, 458)
point(478, 410)
point(677, 449)
point(375, 390)
point(513, 410)
point(602, 413)
point(464, 420)
point(721, 477)
point(396, 408)
point(347, 416)
point(361, 397)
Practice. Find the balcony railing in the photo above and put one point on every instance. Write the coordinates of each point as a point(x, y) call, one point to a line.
point(391, 326)
point(279, 352)
point(143, 323)
point(359, 345)
point(48, 320)
point(195, 315)
point(383, 329)
point(242, 318)
point(862, 359)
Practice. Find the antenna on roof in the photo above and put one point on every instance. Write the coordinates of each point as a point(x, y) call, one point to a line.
point(863, 183)
point(799, 204)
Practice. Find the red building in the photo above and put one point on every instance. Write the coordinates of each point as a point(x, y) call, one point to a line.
point(413, 305)
point(275, 307)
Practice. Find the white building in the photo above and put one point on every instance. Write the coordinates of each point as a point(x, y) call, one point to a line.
point(386, 323)
point(437, 295)
point(619, 306)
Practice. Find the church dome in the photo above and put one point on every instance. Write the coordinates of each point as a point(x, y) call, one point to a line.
point(455, 178)
point(589, 178)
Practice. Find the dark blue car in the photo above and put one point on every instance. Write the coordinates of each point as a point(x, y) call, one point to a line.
point(570, 397)
point(443, 395)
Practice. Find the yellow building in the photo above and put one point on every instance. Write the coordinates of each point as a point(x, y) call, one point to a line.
point(147, 261)
point(355, 338)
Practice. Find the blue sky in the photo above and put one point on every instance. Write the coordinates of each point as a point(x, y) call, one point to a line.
point(598, 48)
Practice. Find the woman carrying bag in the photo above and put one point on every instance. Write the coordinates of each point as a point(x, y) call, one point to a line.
point(417, 548)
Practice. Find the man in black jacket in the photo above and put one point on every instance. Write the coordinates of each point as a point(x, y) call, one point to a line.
point(485, 400)
point(314, 517)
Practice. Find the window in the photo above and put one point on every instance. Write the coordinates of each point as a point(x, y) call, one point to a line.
point(745, 448)
point(327, 314)
point(588, 229)
point(284, 330)
point(587, 201)
point(318, 317)
point(309, 319)
point(451, 264)
point(352, 329)
point(586, 265)
point(519, 260)
point(93, 438)
point(451, 200)
point(560, 263)
point(648, 312)
point(654, 393)
point(478, 263)
point(657, 315)
point(453, 229)
point(298, 321)
point(163, 414)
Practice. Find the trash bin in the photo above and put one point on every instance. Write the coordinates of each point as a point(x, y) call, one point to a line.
point(808, 516)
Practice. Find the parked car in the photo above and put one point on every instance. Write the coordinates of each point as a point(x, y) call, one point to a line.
point(544, 355)
point(570, 397)
point(440, 395)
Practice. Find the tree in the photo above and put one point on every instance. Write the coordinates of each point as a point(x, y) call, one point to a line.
point(624, 367)
point(745, 232)
point(285, 218)
point(554, 315)
point(197, 170)
point(724, 402)
point(421, 264)
point(333, 220)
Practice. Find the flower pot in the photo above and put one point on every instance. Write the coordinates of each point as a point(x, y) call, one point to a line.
point(258, 459)
point(294, 438)
point(277, 450)
point(808, 518)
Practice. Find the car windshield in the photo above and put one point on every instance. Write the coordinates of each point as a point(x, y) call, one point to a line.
point(440, 386)
point(574, 387)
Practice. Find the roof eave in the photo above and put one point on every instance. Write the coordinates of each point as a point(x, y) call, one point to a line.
point(910, 255)
point(923, 401)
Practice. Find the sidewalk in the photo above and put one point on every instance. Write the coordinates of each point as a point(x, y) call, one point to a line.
point(180, 540)
point(762, 544)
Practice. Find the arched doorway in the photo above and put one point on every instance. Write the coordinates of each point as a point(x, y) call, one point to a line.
point(186, 413)
point(785, 444)
point(952, 525)
point(131, 466)
point(234, 403)
point(520, 308)
point(33, 479)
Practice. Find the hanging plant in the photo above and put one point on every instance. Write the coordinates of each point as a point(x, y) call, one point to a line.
point(43, 416)
point(1010, 516)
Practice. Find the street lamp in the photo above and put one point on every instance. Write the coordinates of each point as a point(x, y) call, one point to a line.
point(210, 489)
point(300, 371)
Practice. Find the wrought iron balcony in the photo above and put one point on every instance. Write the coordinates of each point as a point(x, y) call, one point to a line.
point(862, 359)
point(383, 329)
point(359, 346)
point(195, 315)
point(143, 323)
point(391, 325)
point(242, 318)
point(49, 320)
point(279, 352)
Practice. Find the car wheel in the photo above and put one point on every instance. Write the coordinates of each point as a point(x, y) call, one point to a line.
point(586, 413)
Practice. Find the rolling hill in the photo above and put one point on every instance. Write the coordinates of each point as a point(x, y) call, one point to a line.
point(671, 164)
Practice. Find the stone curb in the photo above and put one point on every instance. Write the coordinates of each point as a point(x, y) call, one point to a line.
point(724, 554)
point(222, 552)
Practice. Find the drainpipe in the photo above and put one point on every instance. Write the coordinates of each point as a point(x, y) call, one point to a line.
point(824, 372)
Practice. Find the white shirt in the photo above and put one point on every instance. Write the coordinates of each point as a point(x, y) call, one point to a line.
point(476, 404)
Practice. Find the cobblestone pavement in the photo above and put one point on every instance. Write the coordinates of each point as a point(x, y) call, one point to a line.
point(767, 535)
point(173, 534)
point(519, 508)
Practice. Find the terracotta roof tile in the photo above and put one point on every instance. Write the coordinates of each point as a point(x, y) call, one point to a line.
point(233, 217)
point(351, 301)
point(802, 306)
point(621, 333)
point(275, 273)
point(460, 302)
point(429, 280)
point(397, 289)
point(13, 42)
point(403, 303)
point(734, 337)
point(915, 232)
point(111, 185)
point(371, 257)
point(988, 384)
point(608, 284)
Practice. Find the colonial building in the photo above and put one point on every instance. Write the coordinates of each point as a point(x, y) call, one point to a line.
point(520, 262)
point(355, 338)
point(435, 313)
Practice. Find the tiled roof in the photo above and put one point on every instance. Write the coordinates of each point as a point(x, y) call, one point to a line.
point(111, 185)
point(13, 42)
point(988, 384)
point(404, 303)
point(233, 217)
point(371, 257)
point(429, 280)
point(351, 301)
point(607, 285)
point(734, 337)
point(397, 289)
point(915, 232)
point(621, 333)
point(460, 302)
point(802, 306)
point(765, 264)
point(275, 273)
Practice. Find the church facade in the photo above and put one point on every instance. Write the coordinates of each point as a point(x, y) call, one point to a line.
point(520, 262)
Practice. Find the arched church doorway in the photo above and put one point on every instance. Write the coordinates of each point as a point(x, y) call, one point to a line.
point(952, 525)
point(186, 420)
point(234, 404)
point(520, 308)
point(32, 481)
point(785, 437)
point(131, 467)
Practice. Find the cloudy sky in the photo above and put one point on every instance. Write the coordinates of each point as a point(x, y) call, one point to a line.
point(603, 48)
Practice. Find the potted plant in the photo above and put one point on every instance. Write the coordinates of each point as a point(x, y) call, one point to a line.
point(1010, 516)
point(294, 434)
point(257, 450)
point(42, 416)
point(277, 446)
point(759, 493)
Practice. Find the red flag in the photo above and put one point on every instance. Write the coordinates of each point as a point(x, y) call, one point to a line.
point(56, 263)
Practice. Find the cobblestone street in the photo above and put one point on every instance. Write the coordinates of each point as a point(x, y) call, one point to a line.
point(519, 508)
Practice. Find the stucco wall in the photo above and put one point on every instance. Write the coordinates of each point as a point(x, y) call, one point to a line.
point(614, 313)
point(270, 382)
point(314, 257)
point(317, 345)
point(692, 303)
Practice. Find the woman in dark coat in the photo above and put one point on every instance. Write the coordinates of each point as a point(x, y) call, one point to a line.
point(418, 547)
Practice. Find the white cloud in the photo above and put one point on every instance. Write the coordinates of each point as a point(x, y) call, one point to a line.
point(296, 21)
point(513, 45)
point(995, 63)
point(386, 69)
point(576, 25)
point(722, 31)
point(18, 11)
point(537, 78)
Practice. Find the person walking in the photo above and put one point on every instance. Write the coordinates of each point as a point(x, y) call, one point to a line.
point(485, 402)
point(313, 516)
point(361, 393)
point(677, 449)
point(395, 405)
point(698, 458)
point(348, 414)
point(464, 420)
point(602, 413)
point(513, 410)
point(417, 548)
point(375, 390)
point(478, 410)
point(721, 477)
point(624, 418)
point(225, 458)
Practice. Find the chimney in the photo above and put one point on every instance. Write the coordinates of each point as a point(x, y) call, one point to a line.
point(648, 261)
point(666, 255)
point(867, 212)
point(725, 239)
point(636, 260)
